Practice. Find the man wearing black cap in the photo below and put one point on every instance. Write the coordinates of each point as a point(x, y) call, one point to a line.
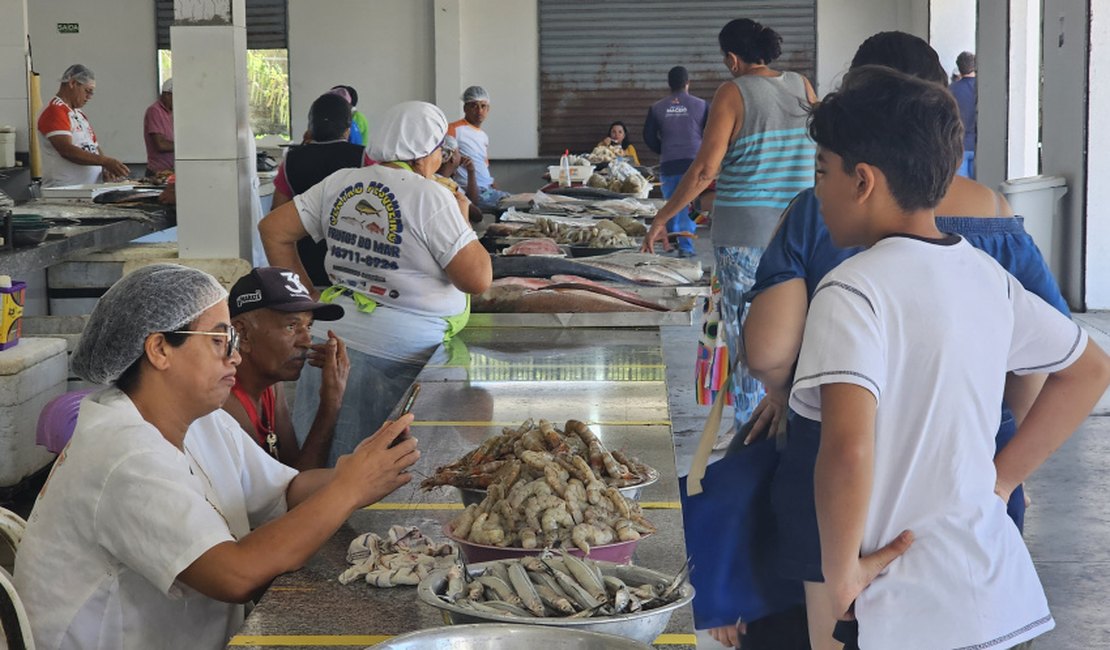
point(273, 313)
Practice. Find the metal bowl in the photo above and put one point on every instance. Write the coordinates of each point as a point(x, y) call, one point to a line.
point(619, 552)
point(632, 492)
point(644, 627)
point(494, 636)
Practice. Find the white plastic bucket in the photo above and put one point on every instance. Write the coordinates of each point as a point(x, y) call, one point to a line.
point(1037, 198)
point(7, 146)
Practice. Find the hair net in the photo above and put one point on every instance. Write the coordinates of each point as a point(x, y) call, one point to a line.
point(475, 94)
point(167, 86)
point(408, 131)
point(155, 298)
point(78, 73)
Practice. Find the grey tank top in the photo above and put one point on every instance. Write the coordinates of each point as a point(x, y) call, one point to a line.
point(770, 162)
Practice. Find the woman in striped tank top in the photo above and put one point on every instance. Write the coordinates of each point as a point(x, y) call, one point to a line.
point(756, 146)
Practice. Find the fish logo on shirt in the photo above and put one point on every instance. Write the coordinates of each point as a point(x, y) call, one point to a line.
point(364, 207)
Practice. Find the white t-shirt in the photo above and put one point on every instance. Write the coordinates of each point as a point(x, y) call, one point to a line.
point(474, 144)
point(390, 234)
point(58, 118)
point(123, 513)
point(930, 330)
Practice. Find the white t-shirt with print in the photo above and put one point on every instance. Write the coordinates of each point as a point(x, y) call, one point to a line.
point(391, 234)
point(123, 513)
point(930, 330)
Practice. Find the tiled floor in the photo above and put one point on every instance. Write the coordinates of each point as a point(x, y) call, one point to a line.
point(1067, 528)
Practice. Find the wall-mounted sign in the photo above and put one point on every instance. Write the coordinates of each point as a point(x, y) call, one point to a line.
point(68, 28)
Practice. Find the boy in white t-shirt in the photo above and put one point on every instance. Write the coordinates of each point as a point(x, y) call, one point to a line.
point(903, 361)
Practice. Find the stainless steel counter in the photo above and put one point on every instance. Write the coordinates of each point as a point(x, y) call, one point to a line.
point(614, 379)
point(95, 227)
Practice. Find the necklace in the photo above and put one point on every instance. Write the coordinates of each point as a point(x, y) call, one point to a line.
point(193, 462)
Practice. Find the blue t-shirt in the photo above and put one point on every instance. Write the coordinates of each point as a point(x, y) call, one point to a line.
point(966, 90)
point(802, 248)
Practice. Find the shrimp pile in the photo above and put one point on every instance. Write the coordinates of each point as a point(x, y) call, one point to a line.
point(566, 587)
point(549, 500)
point(494, 458)
point(404, 557)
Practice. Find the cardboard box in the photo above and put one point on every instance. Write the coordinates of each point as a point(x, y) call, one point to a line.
point(11, 313)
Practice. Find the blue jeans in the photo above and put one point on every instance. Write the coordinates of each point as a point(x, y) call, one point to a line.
point(967, 167)
point(682, 221)
point(736, 266)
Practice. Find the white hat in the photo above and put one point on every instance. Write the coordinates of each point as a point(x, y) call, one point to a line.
point(167, 86)
point(408, 131)
point(475, 94)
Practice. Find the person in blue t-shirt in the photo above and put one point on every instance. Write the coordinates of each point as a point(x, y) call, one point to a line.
point(966, 91)
point(673, 129)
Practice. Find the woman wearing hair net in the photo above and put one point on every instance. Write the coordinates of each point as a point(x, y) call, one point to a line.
point(161, 515)
point(401, 258)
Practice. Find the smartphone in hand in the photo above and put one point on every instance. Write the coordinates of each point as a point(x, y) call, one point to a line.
point(406, 408)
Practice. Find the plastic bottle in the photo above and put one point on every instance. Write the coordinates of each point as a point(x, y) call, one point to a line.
point(564, 169)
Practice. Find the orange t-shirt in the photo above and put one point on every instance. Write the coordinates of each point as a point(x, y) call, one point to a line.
point(58, 118)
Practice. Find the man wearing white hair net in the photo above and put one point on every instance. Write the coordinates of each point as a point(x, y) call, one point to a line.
point(474, 145)
point(71, 154)
point(149, 532)
point(158, 132)
point(401, 258)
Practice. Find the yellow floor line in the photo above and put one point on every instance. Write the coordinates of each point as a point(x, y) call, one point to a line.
point(481, 423)
point(646, 505)
point(301, 640)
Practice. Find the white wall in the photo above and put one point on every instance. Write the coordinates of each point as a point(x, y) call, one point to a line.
point(843, 24)
point(431, 51)
point(500, 52)
point(385, 50)
point(1025, 89)
point(951, 29)
point(116, 40)
point(13, 69)
point(1098, 162)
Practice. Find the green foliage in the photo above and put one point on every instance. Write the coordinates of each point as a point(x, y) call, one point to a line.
point(268, 81)
point(267, 87)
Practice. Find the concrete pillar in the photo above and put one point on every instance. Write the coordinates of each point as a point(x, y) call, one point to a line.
point(1098, 161)
point(214, 164)
point(1064, 133)
point(992, 60)
point(13, 69)
point(448, 55)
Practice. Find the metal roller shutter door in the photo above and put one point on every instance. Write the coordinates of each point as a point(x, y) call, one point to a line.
point(266, 24)
point(601, 62)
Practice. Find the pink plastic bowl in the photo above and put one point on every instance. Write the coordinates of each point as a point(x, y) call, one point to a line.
point(621, 552)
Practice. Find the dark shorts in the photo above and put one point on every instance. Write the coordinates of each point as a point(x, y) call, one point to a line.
point(799, 551)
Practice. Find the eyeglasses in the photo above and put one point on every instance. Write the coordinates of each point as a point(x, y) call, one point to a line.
point(232, 338)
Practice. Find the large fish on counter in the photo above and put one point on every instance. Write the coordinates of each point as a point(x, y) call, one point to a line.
point(560, 295)
point(638, 268)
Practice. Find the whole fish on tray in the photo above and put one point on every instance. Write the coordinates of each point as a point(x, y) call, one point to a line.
point(545, 267)
point(646, 268)
point(561, 295)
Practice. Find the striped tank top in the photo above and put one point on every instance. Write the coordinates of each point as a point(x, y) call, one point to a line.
point(770, 162)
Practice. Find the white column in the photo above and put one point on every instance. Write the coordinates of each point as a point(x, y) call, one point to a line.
point(211, 129)
point(13, 69)
point(1025, 88)
point(1098, 161)
point(448, 55)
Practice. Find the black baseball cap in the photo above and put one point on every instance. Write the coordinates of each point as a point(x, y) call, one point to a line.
point(271, 287)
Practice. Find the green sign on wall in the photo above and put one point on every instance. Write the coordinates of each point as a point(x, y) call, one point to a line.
point(68, 28)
